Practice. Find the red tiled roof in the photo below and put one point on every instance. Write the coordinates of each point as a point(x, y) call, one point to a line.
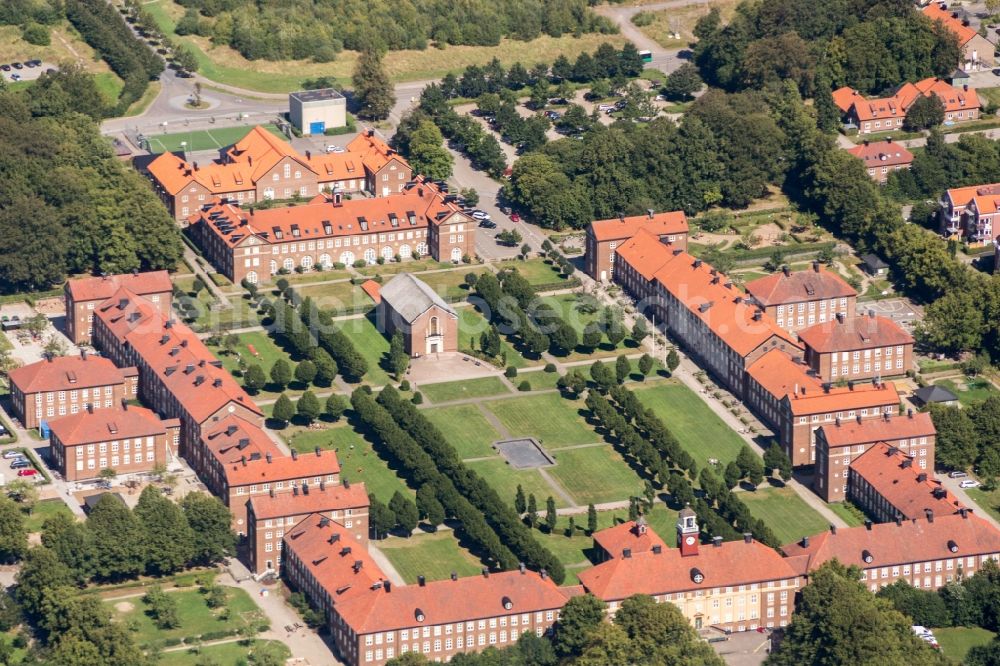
point(851, 432)
point(373, 289)
point(954, 99)
point(936, 11)
point(627, 535)
point(330, 498)
point(103, 425)
point(893, 474)
point(890, 544)
point(845, 97)
point(985, 197)
point(192, 374)
point(259, 151)
point(644, 253)
point(321, 218)
point(282, 468)
point(864, 332)
point(659, 224)
point(731, 563)
point(796, 286)
point(66, 373)
point(367, 610)
point(882, 153)
point(781, 375)
point(233, 438)
point(100, 288)
point(365, 151)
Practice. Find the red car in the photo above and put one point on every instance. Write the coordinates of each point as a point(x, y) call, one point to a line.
point(514, 217)
point(27, 472)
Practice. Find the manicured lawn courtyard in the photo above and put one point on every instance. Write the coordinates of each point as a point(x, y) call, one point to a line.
point(956, 642)
point(472, 324)
point(549, 418)
point(505, 480)
point(539, 379)
point(853, 518)
point(536, 271)
point(408, 266)
point(337, 296)
point(595, 474)
point(698, 429)
point(433, 556)
point(466, 429)
point(988, 500)
point(450, 285)
point(969, 391)
point(225, 654)
point(358, 462)
point(787, 514)
point(565, 304)
point(370, 343)
point(467, 388)
point(44, 510)
point(265, 352)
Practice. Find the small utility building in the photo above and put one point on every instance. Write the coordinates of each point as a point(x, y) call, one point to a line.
point(315, 111)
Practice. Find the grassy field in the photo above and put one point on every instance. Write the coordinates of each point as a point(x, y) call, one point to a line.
point(539, 379)
point(358, 462)
point(549, 418)
point(196, 618)
point(223, 64)
point(536, 271)
point(317, 276)
point(433, 556)
point(407, 266)
point(595, 474)
point(226, 654)
point(466, 429)
point(268, 353)
point(203, 139)
point(468, 388)
point(956, 642)
point(472, 324)
point(566, 305)
point(450, 285)
point(371, 344)
point(787, 514)
point(337, 297)
point(969, 391)
point(698, 429)
point(853, 518)
point(505, 480)
point(44, 510)
point(988, 500)
point(66, 46)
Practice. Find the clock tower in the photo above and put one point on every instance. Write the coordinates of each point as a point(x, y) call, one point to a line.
point(687, 531)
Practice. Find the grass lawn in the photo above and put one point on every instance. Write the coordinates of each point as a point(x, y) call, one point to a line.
point(852, 516)
point(969, 391)
point(539, 379)
point(358, 462)
point(472, 324)
point(43, 511)
point(370, 343)
point(466, 429)
point(505, 480)
point(450, 285)
point(787, 514)
point(549, 418)
point(566, 305)
point(469, 388)
point(595, 474)
point(268, 353)
point(407, 266)
point(536, 271)
point(698, 429)
point(196, 618)
point(337, 297)
point(956, 642)
point(196, 140)
point(988, 500)
point(317, 276)
point(109, 85)
point(433, 556)
point(226, 654)
point(65, 45)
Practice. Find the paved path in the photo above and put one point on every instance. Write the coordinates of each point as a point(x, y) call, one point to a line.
point(665, 60)
point(953, 486)
point(385, 565)
point(556, 486)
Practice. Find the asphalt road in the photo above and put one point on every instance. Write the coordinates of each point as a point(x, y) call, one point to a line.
point(665, 60)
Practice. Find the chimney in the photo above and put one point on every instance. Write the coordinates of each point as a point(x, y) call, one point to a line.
point(317, 452)
point(521, 567)
point(922, 477)
point(649, 211)
point(840, 317)
point(838, 421)
point(892, 451)
point(907, 463)
point(909, 413)
point(964, 513)
point(697, 263)
point(243, 459)
point(965, 87)
point(295, 454)
point(250, 160)
point(347, 484)
point(370, 132)
point(804, 542)
point(485, 572)
point(543, 574)
point(889, 140)
point(387, 584)
point(833, 529)
point(747, 537)
point(816, 266)
point(454, 576)
point(268, 458)
point(657, 549)
point(899, 520)
point(871, 314)
point(786, 271)
point(90, 407)
point(757, 315)
point(866, 142)
point(309, 155)
point(868, 525)
point(930, 515)
point(295, 491)
point(195, 166)
point(850, 385)
point(322, 486)
point(627, 553)
point(338, 198)
point(271, 492)
point(940, 492)
point(421, 581)
point(621, 217)
point(717, 542)
point(83, 354)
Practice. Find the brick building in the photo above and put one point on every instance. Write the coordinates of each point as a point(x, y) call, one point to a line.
point(84, 294)
point(372, 621)
point(977, 51)
point(258, 244)
point(882, 158)
point(888, 113)
point(428, 324)
point(969, 212)
point(857, 348)
point(63, 385)
point(840, 443)
point(270, 516)
point(884, 483)
point(733, 586)
point(262, 166)
point(926, 552)
point(633, 535)
point(126, 439)
point(800, 299)
point(605, 236)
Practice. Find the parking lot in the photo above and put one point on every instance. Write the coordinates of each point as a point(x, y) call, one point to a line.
point(900, 310)
point(23, 71)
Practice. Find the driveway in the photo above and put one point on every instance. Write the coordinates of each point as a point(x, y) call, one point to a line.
point(665, 60)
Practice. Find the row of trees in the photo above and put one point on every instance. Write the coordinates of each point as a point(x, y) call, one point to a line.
point(512, 307)
point(967, 437)
point(502, 520)
point(302, 28)
point(103, 28)
point(312, 334)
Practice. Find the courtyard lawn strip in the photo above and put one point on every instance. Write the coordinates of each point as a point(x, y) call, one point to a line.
point(44, 510)
point(537, 271)
point(466, 429)
point(337, 297)
point(538, 379)
point(956, 642)
point(787, 514)
point(370, 343)
point(551, 419)
point(433, 555)
point(467, 388)
point(697, 428)
point(505, 480)
point(595, 474)
point(234, 652)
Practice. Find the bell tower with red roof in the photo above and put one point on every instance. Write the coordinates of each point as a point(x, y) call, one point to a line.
point(687, 531)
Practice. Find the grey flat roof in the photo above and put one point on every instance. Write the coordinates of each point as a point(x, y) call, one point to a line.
point(319, 95)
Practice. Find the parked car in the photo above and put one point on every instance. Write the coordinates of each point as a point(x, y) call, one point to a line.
point(606, 107)
point(958, 474)
point(514, 217)
point(480, 215)
point(15, 77)
point(20, 463)
point(5, 68)
point(17, 65)
point(335, 149)
point(558, 100)
point(969, 483)
point(13, 453)
point(489, 224)
point(27, 472)
point(32, 63)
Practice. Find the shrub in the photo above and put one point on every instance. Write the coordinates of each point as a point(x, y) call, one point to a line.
point(510, 372)
point(404, 385)
point(550, 367)
point(37, 34)
point(418, 398)
point(360, 263)
point(525, 385)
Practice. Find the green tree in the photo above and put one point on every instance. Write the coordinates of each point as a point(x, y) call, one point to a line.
point(733, 474)
point(745, 459)
point(953, 323)
point(591, 519)
point(640, 330)
point(645, 364)
point(550, 514)
point(957, 442)
point(520, 503)
point(405, 512)
point(373, 91)
point(36, 33)
point(622, 368)
point(326, 367)
point(72, 543)
point(119, 546)
point(673, 360)
point(660, 634)
point(305, 372)
point(185, 59)
point(308, 407)
point(532, 510)
point(926, 111)
point(381, 518)
point(924, 607)
point(592, 335)
point(167, 536)
point(776, 458)
point(211, 522)
point(283, 410)
point(163, 607)
point(399, 360)
point(335, 407)
point(281, 373)
point(40, 571)
point(428, 155)
point(838, 621)
point(578, 619)
point(428, 505)
point(13, 533)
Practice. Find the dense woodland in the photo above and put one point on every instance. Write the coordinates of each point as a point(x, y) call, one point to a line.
point(319, 29)
point(67, 205)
